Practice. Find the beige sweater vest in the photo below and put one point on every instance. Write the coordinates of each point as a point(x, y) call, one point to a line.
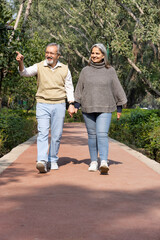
point(51, 84)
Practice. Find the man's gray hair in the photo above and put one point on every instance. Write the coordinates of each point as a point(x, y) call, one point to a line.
point(57, 45)
point(103, 51)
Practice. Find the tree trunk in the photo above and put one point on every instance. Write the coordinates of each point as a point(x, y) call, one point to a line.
point(17, 21)
point(148, 84)
point(26, 15)
point(1, 79)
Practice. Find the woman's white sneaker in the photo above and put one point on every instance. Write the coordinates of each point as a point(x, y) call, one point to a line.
point(93, 167)
point(54, 166)
point(104, 168)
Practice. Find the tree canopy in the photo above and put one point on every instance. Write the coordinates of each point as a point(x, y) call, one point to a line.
point(130, 29)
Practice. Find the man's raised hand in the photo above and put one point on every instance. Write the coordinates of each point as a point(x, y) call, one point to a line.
point(19, 57)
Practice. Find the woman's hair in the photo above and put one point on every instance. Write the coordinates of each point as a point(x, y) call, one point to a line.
point(57, 45)
point(103, 51)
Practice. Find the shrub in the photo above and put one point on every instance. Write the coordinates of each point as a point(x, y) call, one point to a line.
point(139, 129)
point(16, 126)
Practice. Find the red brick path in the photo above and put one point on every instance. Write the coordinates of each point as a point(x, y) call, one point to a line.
point(74, 204)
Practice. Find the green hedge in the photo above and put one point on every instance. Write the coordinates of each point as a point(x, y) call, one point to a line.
point(16, 126)
point(139, 129)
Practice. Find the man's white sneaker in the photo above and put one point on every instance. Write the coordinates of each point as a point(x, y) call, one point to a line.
point(41, 166)
point(104, 168)
point(54, 166)
point(93, 167)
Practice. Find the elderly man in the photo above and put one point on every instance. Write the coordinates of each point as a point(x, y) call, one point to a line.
point(54, 83)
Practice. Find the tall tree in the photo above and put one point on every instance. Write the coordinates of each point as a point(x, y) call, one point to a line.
point(5, 17)
point(129, 28)
point(11, 86)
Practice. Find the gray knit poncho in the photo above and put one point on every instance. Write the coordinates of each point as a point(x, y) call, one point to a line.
point(99, 89)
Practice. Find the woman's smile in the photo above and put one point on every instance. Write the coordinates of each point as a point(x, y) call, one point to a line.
point(96, 55)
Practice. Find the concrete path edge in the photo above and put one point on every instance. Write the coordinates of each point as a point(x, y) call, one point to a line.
point(10, 157)
point(148, 161)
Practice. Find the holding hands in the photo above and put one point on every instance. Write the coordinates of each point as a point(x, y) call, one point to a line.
point(72, 110)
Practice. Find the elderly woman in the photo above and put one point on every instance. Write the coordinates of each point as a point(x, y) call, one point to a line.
point(99, 93)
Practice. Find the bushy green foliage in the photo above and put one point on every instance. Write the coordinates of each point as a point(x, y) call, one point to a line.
point(130, 29)
point(15, 127)
point(139, 129)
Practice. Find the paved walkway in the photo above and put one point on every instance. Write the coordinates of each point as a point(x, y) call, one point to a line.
point(74, 204)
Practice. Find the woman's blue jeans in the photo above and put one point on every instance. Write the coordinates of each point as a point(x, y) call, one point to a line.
point(97, 125)
point(49, 116)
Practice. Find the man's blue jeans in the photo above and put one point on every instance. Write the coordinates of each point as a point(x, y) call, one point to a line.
point(49, 116)
point(97, 125)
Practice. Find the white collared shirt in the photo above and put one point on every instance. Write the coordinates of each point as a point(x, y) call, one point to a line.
point(32, 71)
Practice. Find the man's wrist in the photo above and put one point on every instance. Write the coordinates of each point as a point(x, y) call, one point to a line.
point(71, 103)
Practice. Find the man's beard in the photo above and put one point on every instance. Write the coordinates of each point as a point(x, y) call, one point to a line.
point(49, 61)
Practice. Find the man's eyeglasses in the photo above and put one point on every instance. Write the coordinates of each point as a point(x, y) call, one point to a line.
point(51, 53)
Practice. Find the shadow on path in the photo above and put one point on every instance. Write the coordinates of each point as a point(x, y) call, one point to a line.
point(69, 212)
point(66, 160)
